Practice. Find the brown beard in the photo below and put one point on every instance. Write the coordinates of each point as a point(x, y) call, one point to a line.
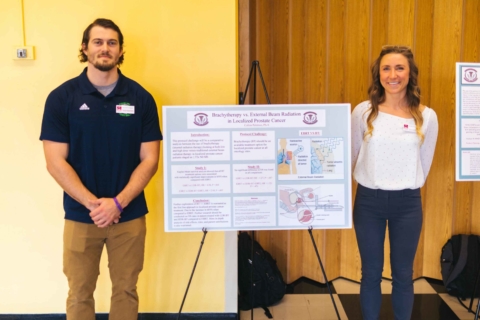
point(104, 66)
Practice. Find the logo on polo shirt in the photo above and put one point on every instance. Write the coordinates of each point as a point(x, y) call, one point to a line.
point(124, 109)
point(84, 107)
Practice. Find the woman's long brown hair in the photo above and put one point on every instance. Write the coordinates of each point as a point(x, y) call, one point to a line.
point(376, 91)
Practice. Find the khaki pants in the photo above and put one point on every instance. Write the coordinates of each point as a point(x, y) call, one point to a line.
point(83, 244)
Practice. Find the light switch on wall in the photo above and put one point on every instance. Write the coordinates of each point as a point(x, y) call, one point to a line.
point(24, 53)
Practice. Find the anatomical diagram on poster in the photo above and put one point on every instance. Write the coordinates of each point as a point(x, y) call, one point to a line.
point(258, 167)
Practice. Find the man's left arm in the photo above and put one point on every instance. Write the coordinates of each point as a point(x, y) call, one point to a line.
point(107, 211)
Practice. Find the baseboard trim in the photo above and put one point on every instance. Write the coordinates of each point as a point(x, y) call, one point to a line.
point(141, 316)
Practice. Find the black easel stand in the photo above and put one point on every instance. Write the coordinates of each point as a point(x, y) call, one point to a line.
point(323, 271)
point(251, 276)
point(473, 297)
point(253, 70)
point(193, 271)
point(478, 310)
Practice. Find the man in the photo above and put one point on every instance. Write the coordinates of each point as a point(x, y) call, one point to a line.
point(101, 138)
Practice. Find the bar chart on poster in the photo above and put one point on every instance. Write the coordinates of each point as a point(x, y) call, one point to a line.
point(467, 162)
point(257, 167)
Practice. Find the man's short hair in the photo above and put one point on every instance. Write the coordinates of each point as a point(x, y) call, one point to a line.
point(105, 23)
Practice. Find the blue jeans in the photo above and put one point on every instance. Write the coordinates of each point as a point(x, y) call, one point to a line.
point(403, 211)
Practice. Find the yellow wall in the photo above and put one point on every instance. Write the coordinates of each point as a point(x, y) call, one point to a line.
point(183, 52)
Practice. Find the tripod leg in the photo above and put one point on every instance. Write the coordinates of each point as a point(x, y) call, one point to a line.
point(254, 64)
point(263, 83)
point(323, 271)
point(244, 96)
point(193, 271)
point(478, 309)
point(253, 239)
point(474, 291)
point(253, 70)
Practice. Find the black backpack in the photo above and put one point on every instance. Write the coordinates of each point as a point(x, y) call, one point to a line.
point(268, 285)
point(460, 263)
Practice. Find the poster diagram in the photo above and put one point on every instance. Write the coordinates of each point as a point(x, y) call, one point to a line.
point(315, 158)
point(261, 167)
point(310, 205)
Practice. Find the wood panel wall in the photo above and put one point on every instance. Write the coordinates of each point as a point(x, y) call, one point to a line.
point(320, 51)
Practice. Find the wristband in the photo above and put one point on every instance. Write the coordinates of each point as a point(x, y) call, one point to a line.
point(118, 205)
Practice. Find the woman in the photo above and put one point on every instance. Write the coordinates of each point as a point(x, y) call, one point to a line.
point(393, 142)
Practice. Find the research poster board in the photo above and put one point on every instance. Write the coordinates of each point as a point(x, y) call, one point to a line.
point(467, 164)
point(257, 167)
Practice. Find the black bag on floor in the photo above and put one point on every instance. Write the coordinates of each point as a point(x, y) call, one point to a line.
point(268, 285)
point(460, 263)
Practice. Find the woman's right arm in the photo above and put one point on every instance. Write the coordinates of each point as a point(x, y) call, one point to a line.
point(358, 130)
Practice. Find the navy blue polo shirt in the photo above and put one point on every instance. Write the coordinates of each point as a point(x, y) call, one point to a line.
point(104, 136)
